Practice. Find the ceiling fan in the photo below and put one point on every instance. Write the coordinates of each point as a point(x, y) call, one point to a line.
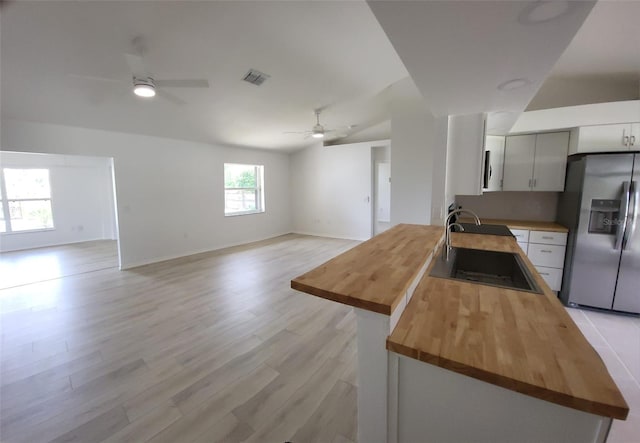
point(144, 83)
point(318, 131)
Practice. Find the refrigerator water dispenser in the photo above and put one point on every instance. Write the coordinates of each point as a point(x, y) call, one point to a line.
point(603, 218)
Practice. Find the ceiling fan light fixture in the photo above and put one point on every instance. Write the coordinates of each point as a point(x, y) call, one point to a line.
point(317, 131)
point(144, 87)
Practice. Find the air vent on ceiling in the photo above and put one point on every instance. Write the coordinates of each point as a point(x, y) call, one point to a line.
point(255, 77)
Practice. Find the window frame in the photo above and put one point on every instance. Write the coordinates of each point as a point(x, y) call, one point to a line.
point(258, 189)
point(6, 211)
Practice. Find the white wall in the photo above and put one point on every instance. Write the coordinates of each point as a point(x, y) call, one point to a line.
point(413, 139)
point(169, 193)
point(465, 150)
point(331, 190)
point(439, 201)
point(81, 200)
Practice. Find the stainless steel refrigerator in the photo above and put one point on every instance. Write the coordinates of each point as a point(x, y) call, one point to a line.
point(600, 206)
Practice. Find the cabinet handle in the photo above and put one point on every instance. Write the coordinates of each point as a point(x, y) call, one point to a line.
point(529, 182)
point(543, 273)
point(632, 140)
point(546, 251)
point(535, 182)
point(547, 238)
point(625, 138)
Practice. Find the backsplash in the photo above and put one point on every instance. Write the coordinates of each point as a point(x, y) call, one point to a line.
point(534, 206)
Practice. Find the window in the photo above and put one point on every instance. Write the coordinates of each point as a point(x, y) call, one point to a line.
point(25, 200)
point(243, 189)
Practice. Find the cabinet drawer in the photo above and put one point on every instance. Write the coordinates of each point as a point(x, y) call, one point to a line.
point(522, 235)
point(548, 238)
point(551, 256)
point(552, 276)
point(524, 246)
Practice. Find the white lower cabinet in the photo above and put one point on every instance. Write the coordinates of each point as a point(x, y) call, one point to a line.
point(551, 256)
point(546, 251)
point(552, 276)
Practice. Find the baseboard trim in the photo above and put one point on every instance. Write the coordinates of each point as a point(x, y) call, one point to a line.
point(139, 263)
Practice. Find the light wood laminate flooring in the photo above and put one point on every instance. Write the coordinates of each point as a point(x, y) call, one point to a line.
point(212, 347)
point(34, 265)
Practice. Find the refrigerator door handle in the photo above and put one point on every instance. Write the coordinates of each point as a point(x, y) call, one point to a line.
point(624, 211)
point(633, 214)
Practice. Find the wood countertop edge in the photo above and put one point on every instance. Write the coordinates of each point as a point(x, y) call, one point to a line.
point(530, 225)
point(345, 299)
point(511, 384)
point(388, 306)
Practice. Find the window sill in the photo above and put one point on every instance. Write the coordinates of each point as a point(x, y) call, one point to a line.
point(236, 214)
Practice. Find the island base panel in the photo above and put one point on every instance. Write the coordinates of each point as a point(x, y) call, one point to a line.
point(435, 404)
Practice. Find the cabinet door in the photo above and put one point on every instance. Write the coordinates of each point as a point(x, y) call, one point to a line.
point(603, 138)
point(552, 276)
point(519, 152)
point(550, 256)
point(550, 161)
point(495, 146)
point(548, 237)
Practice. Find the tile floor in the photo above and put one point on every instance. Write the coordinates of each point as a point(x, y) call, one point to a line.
point(617, 340)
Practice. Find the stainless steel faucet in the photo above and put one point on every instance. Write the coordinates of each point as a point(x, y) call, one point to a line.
point(447, 230)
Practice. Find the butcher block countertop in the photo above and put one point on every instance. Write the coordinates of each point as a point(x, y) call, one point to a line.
point(375, 274)
point(521, 341)
point(521, 224)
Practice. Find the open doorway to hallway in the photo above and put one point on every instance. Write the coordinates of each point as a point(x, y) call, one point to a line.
point(381, 165)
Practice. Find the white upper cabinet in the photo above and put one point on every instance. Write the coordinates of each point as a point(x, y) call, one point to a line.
point(494, 162)
point(535, 162)
point(605, 138)
point(519, 155)
point(550, 163)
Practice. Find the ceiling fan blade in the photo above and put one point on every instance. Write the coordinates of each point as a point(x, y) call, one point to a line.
point(183, 83)
point(136, 65)
point(170, 97)
point(94, 77)
point(297, 132)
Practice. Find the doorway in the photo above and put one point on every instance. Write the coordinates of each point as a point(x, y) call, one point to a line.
point(381, 217)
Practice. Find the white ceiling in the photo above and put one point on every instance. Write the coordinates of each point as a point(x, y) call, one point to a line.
point(602, 62)
point(459, 53)
point(318, 54)
point(331, 54)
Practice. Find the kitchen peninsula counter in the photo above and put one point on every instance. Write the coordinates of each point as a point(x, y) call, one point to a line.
point(457, 333)
point(522, 341)
point(376, 274)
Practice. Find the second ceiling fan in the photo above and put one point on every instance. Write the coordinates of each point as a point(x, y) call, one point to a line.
point(319, 131)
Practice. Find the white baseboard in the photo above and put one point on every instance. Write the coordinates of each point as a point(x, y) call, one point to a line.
point(327, 235)
point(138, 263)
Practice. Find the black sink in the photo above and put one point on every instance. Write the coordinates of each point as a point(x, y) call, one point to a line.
point(493, 268)
point(471, 228)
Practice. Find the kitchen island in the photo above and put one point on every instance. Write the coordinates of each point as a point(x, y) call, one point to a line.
point(446, 360)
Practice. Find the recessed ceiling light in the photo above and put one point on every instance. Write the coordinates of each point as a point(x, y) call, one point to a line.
point(543, 11)
point(144, 87)
point(512, 84)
